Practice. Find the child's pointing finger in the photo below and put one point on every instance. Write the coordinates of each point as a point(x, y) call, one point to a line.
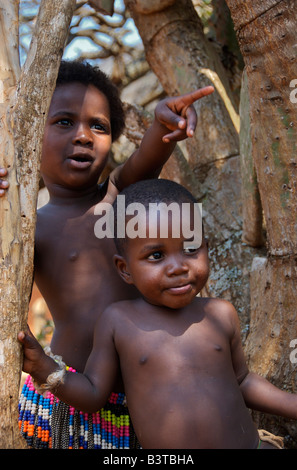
point(190, 98)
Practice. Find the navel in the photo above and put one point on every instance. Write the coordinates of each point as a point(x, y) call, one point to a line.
point(143, 360)
point(73, 255)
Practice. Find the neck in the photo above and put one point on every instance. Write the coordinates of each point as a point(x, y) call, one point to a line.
point(60, 195)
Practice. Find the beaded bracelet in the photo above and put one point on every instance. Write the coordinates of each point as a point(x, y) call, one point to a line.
point(55, 378)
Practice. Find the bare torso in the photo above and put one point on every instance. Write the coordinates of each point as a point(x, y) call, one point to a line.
point(179, 379)
point(75, 273)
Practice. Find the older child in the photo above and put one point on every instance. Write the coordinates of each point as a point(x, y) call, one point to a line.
point(179, 354)
point(72, 267)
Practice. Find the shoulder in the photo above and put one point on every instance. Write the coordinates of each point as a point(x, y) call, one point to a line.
point(112, 320)
point(105, 324)
point(221, 305)
point(116, 311)
point(46, 214)
point(43, 211)
point(223, 313)
point(44, 217)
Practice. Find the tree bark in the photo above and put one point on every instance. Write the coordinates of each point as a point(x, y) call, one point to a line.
point(10, 221)
point(183, 60)
point(23, 112)
point(266, 32)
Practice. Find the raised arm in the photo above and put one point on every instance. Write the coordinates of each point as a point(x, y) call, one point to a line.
point(87, 392)
point(175, 119)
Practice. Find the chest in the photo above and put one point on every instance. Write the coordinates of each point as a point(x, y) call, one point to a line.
point(193, 346)
point(69, 254)
point(69, 236)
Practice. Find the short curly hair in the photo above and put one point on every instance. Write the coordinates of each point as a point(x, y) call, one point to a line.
point(146, 192)
point(85, 73)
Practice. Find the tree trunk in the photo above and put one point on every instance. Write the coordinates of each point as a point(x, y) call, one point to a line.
point(10, 281)
point(183, 59)
point(23, 112)
point(266, 32)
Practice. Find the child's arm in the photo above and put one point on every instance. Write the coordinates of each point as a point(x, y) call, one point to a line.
point(87, 392)
point(175, 120)
point(261, 395)
point(258, 393)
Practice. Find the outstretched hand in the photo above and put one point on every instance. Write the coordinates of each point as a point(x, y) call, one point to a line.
point(3, 183)
point(178, 114)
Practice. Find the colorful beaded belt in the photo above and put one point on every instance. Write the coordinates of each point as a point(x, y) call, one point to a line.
point(46, 422)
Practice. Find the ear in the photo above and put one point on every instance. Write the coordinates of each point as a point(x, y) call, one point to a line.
point(122, 268)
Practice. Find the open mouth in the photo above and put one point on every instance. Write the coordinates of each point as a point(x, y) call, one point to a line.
point(80, 161)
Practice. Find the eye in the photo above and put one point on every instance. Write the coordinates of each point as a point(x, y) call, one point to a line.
point(191, 249)
point(155, 256)
point(100, 127)
point(64, 122)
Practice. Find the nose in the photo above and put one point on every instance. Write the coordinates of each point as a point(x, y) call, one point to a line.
point(82, 135)
point(176, 266)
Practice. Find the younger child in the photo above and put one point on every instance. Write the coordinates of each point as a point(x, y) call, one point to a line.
point(179, 354)
point(73, 268)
